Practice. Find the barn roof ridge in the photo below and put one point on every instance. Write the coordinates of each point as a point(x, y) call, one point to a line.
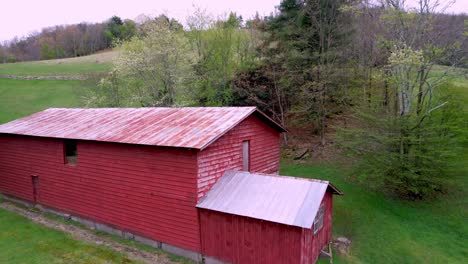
point(184, 127)
point(332, 187)
point(149, 107)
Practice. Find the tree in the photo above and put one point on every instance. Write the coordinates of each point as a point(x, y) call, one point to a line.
point(404, 147)
point(303, 45)
point(259, 86)
point(326, 36)
point(262, 84)
point(221, 48)
point(114, 29)
point(150, 71)
point(47, 53)
point(273, 83)
point(118, 30)
point(128, 29)
point(3, 54)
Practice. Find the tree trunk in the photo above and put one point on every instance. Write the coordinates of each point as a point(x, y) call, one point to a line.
point(369, 83)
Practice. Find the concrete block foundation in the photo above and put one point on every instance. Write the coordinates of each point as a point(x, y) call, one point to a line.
point(182, 252)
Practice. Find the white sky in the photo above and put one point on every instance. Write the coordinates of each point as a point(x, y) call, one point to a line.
point(21, 17)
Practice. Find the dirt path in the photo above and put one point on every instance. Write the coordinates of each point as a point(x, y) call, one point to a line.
point(88, 236)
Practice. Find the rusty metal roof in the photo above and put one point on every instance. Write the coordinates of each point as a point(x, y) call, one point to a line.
point(279, 199)
point(186, 127)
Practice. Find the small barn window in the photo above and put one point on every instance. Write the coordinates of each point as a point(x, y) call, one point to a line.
point(318, 222)
point(246, 155)
point(70, 152)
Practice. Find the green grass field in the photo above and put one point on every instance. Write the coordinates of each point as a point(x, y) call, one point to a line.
point(22, 241)
point(23, 97)
point(99, 62)
point(383, 230)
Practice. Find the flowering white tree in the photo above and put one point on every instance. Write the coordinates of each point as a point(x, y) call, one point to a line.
point(151, 70)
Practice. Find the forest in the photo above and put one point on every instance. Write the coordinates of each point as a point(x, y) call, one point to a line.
point(65, 41)
point(365, 79)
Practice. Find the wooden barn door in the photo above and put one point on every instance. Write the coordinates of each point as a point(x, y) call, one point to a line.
point(35, 184)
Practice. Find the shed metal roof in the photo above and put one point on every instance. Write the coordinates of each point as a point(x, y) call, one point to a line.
point(186, 127)
point(280, 199)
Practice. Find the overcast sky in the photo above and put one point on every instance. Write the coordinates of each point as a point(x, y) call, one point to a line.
point(21, 17)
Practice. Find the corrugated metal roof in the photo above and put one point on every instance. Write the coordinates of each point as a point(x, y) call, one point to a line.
point(280, 199)
point(187, 127)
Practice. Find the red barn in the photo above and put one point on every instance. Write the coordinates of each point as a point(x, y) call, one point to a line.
point(140, 173)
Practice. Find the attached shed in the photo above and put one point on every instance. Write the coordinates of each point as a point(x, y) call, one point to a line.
point(258, 218)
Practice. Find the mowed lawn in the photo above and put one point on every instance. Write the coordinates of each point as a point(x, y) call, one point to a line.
point(19, 98)
point(22, 241)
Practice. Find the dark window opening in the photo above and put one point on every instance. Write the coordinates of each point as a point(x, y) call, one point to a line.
point(70, 152)
point(246, 155)
point(318, 222)
point(35, 183)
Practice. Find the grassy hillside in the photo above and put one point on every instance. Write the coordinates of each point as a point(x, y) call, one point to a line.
point(383, 230)
point(23, 97)
point(99, 62)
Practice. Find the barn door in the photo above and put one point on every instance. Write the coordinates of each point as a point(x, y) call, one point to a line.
point(35, 184)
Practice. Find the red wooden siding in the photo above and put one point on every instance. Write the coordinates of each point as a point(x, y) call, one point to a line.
point(152, 191)
point(238, 239)
point(313, 244)
point(226, 153)
point(149, 191)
